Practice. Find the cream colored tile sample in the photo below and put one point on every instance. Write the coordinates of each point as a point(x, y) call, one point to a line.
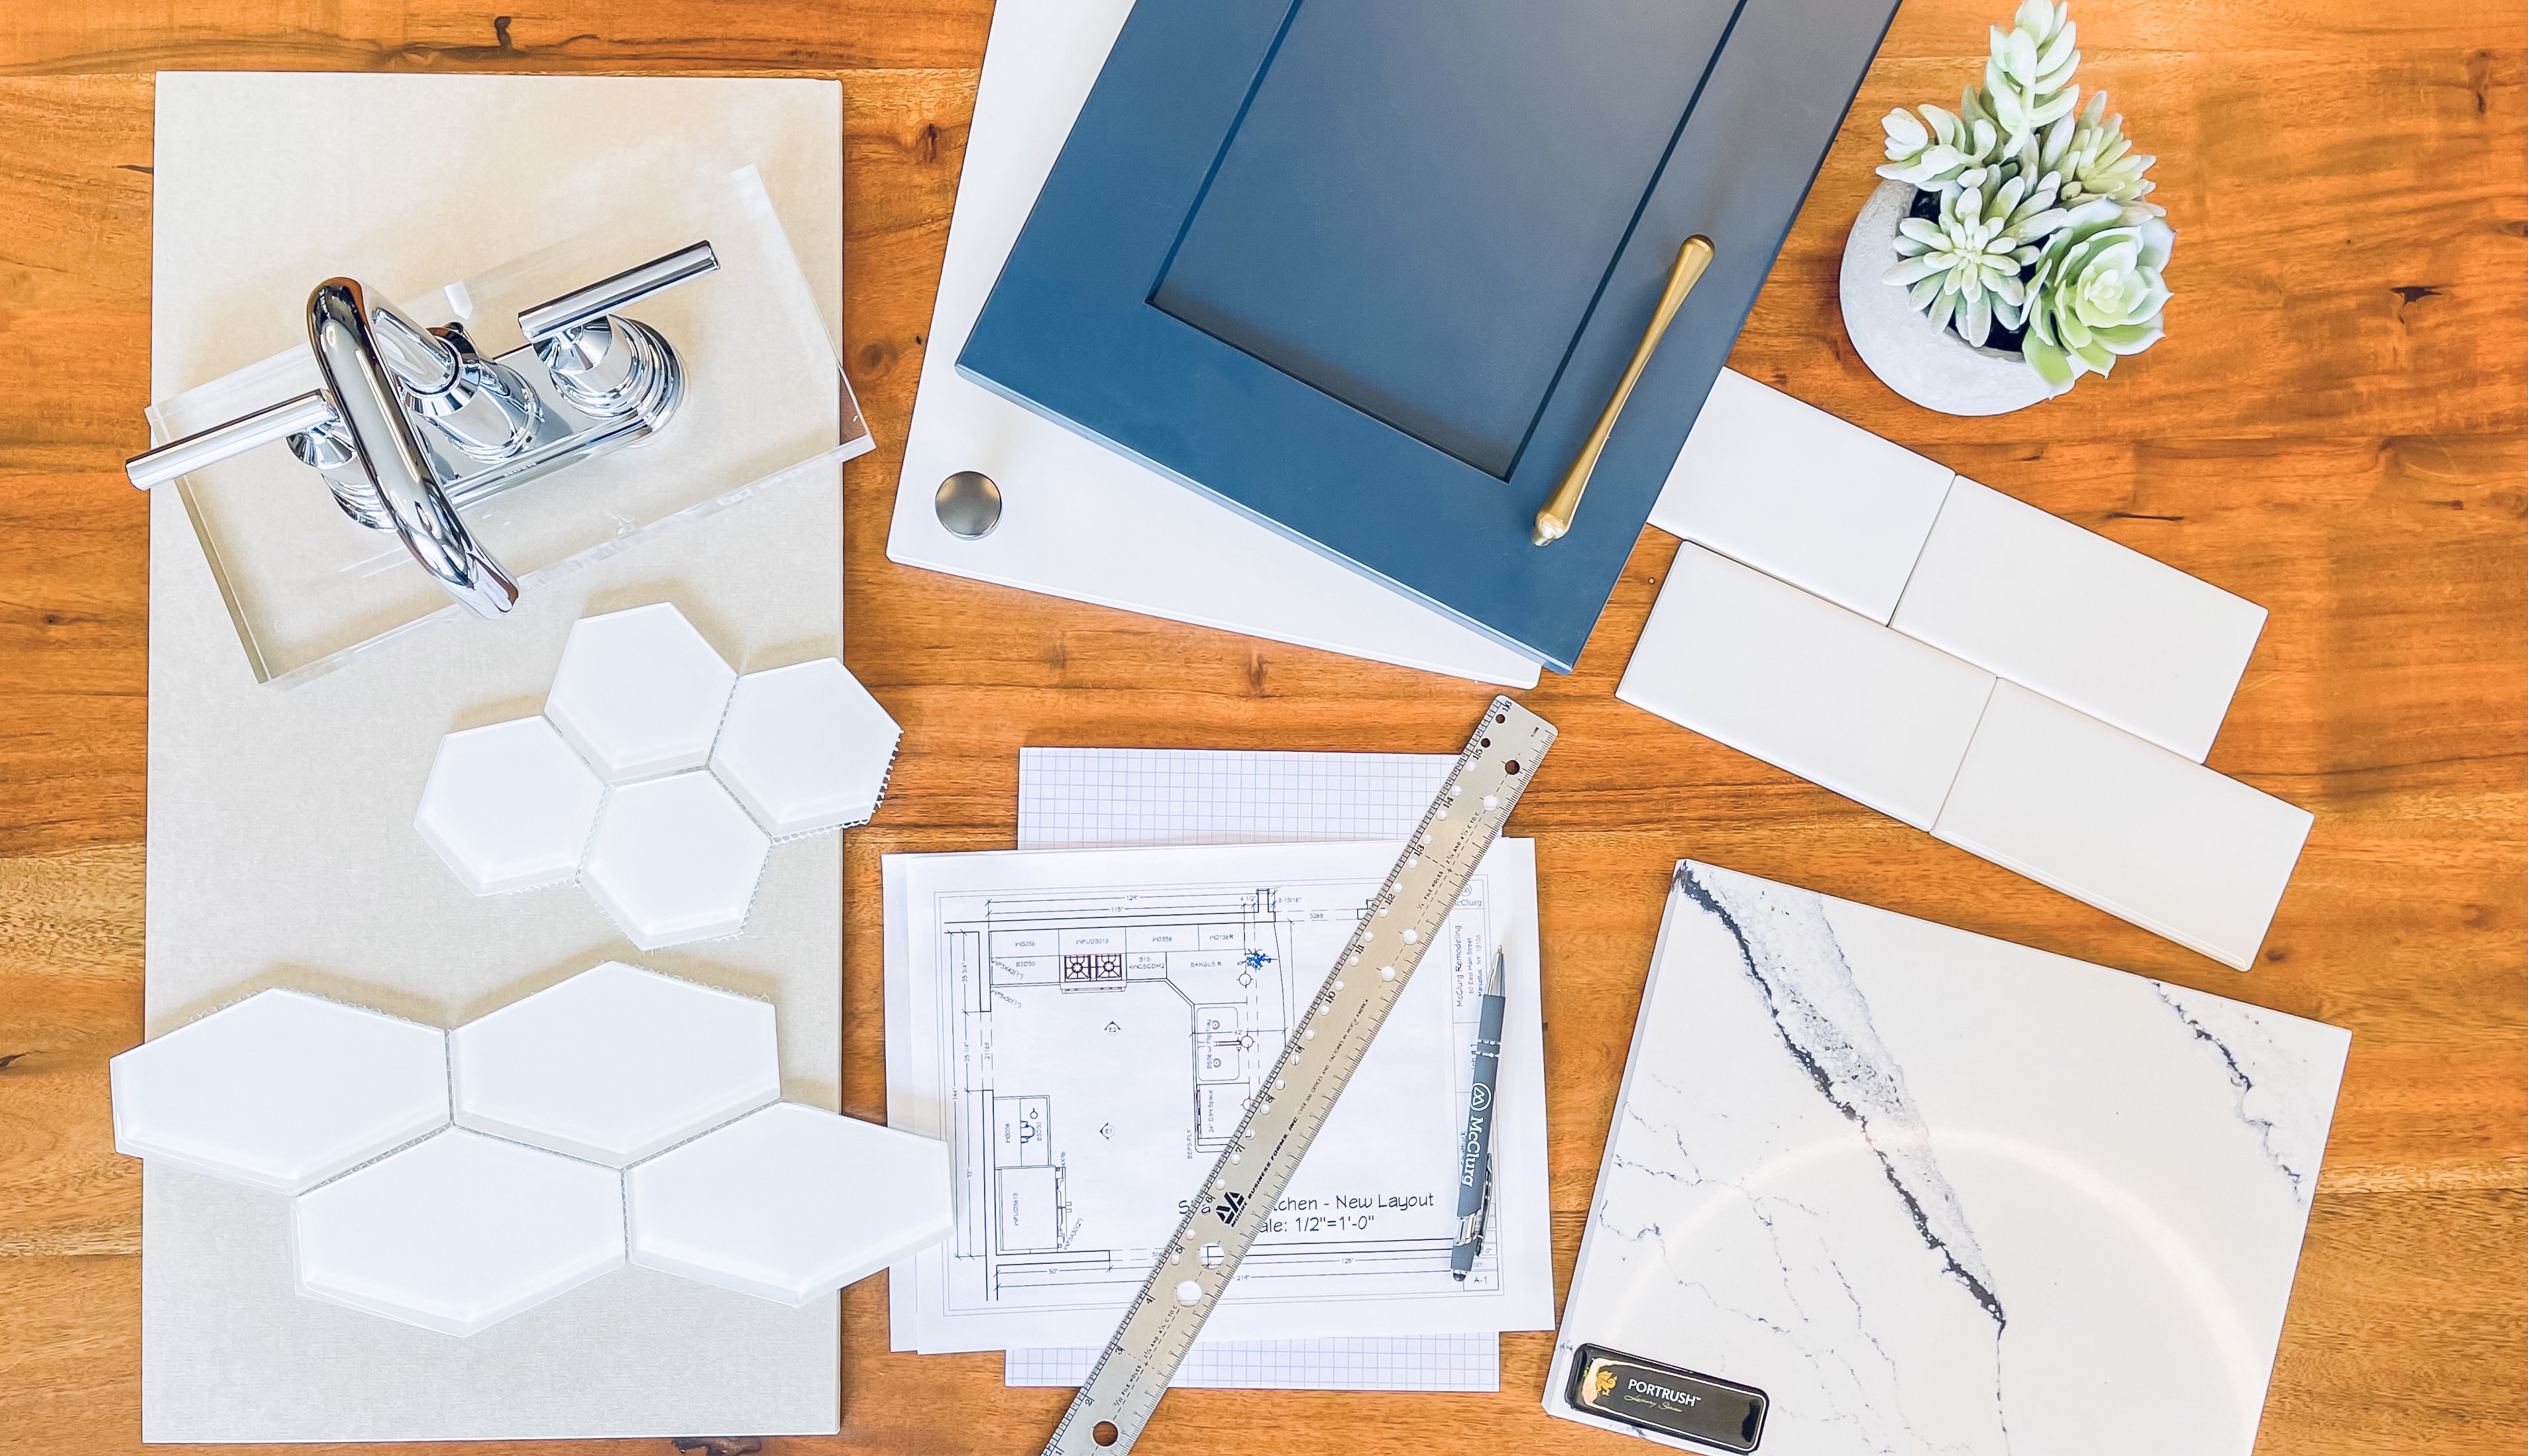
point(1800, 494)
point(1806, 686)
point(2080, 618)
point(2124, 825)
point(282, 849)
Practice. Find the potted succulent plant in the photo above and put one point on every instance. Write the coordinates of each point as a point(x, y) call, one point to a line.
point(2012, 248)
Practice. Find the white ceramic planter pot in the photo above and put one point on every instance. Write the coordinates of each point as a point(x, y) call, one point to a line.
point(1932, 367)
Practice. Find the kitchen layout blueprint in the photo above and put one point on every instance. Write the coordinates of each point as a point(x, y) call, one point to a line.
point(1104, 1047)
point(1093, 1046)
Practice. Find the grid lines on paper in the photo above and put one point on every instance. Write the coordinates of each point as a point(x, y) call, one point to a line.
point(1410, 1362)
point(1107, 798)
point(1111, 797)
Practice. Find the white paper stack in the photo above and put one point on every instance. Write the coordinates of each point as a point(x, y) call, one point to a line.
point(1429, 1334)
point(1090, 796)
point(1085, 1028)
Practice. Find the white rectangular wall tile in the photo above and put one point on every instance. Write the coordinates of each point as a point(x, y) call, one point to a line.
point(2076, 616)
point(1807, 686)
point(1796, 492)
point(2123, 824)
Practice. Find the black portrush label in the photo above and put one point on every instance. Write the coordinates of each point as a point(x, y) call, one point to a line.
point(1665, 1399)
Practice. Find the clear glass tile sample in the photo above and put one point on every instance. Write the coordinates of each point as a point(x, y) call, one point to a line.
point(764, 404)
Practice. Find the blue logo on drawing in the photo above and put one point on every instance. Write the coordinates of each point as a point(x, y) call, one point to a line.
point(1257, 959)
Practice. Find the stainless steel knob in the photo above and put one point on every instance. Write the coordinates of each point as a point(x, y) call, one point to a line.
point(609, 365)
point(201, 450)
point(612, 367)
point(327, 450)
point(483, 408)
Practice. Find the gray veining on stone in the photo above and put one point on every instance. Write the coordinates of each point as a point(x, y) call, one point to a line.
point(1809, 1332)
point(1791, 955)
point(2277, 1091)
point(2119, 1190)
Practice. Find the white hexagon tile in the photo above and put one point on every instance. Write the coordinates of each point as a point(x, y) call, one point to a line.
point(615, 1063)
point(510, 806)
point(639, 693)
point(675, 859)
point(806, 748)
point(620, 1112)
point(281, 1091)
point(656, 778)
point(460, 1233)
point(828, 1200)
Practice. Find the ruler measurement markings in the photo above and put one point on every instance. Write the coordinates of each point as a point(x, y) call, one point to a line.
point(1159, 1327)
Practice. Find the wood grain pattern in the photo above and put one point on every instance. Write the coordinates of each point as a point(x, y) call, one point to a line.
point(2333, 429)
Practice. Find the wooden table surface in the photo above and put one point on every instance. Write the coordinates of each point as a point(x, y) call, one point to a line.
point(2332, 429)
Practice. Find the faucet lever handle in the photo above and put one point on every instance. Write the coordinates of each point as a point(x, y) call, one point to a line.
point(584, 306)
point(207, 447)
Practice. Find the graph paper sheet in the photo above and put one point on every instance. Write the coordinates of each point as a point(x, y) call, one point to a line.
point(1104, 797)
point(1096, 796)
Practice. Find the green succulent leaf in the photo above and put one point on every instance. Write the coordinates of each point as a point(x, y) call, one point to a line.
point(1905, 135)
point(1933, 150)
point(2128, 338)
point(2027, 77)
point(2098, 161)
point(2051, 364)
point(2096, 292)
point(1944, 306)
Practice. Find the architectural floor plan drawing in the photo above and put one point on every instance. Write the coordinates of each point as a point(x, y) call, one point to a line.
point(1091, 1046)
point(1104, 1046)
point(1078, 799)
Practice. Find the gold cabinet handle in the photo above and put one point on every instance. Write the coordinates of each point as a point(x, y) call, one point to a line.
point(1556, 519)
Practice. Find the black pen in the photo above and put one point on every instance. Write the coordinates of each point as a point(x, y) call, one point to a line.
point(1475, 1155)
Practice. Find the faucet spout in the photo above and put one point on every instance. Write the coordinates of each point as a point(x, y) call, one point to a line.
point(364, 350)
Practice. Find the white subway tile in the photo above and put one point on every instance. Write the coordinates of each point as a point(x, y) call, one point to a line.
point(2095, 625)
point(2123, 824)
point(1806, 686)
point(1797, 493)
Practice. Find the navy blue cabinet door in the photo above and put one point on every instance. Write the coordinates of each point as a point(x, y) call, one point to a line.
point(1368, 270)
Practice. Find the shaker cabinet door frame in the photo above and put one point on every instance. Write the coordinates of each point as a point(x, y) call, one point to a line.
point(1369, 269)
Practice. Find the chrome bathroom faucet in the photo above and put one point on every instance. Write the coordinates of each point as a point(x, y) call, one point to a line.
point(413, 425)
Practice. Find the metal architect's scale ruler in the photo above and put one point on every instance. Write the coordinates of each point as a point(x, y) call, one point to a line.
point(1333, 1034)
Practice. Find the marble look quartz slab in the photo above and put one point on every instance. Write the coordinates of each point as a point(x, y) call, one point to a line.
point(1935, 1192)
